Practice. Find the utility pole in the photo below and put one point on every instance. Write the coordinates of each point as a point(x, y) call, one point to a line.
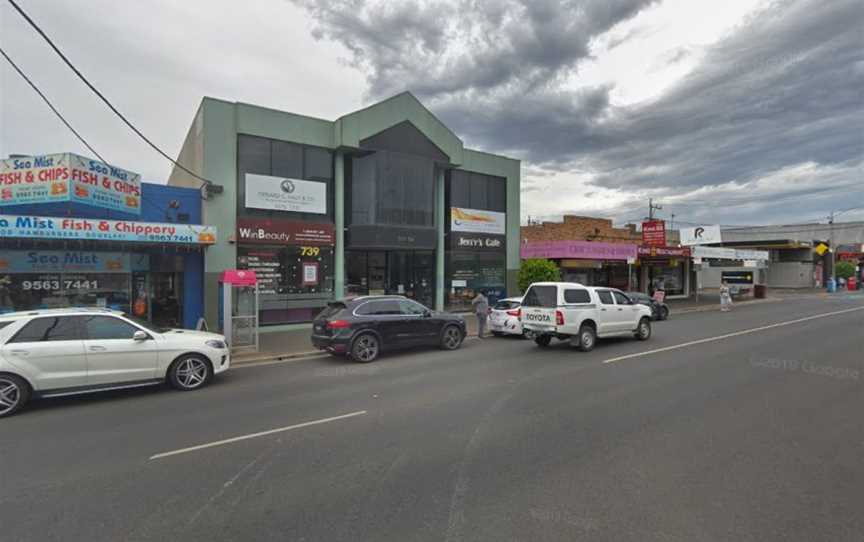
point(833, 248)
point(652, 208)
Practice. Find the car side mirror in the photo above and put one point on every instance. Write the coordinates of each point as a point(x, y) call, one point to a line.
point(427, 313)
point(140, 336)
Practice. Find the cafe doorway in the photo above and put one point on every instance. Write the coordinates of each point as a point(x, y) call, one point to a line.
point(396, 272)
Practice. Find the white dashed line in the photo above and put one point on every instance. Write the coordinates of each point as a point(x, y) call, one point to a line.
point(730, 335)
point(255, 435)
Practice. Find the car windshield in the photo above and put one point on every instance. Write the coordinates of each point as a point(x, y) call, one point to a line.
point(145, 324)
point(505, 305)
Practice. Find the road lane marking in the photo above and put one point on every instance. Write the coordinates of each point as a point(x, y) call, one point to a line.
point(730, 335)
point(256, 435)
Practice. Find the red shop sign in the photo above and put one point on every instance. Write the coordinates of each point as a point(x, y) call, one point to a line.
point(664, 252)
point(654, 233)
point(265, 231)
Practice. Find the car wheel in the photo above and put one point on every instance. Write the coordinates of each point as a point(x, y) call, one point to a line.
point(14, 394)
point(587, 338)
point(365, 348)
point(189, 373)
point(451, 338)
point(664, 313)
point(643, 330)
point(543, 340)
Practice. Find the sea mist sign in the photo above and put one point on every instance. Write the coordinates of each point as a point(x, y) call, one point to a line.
point(68, 177)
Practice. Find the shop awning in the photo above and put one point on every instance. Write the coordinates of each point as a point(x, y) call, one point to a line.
point(585, 250)
point(721, 253)
point(93, 229)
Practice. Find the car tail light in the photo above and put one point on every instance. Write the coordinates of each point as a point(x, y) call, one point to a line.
point(338, 324)
point(559, 318)
point(515, 312)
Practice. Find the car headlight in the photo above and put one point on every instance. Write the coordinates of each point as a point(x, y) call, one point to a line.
point(218, 345)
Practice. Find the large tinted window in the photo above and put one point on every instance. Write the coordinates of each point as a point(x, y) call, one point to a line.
point(282, 159)
point(605, 297)
point(541, 296)
point(57, 328)
point(108, 327)
point(576, 296)
point(392, 188)
point(477, 191)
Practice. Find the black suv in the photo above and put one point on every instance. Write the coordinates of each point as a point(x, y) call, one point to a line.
point(364, 326)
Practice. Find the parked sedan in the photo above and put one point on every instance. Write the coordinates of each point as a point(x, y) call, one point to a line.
point(504, 317)
point(363, 327)
point(659, 311)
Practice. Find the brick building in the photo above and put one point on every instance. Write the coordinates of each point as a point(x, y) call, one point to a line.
point(581, 228)
point(592, 251)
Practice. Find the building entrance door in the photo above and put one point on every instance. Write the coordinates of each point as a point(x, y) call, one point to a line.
point(166, 310)
point(395, 272)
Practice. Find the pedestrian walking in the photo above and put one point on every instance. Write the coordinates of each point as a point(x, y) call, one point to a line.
point(725, 297)
point(481, 310)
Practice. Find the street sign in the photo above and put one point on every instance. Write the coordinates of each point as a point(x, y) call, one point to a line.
point(821, 249)
point(701, 235)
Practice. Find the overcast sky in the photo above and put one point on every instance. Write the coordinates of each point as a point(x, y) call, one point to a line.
point(733, 112)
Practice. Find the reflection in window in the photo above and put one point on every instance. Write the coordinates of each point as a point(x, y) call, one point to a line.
point(107, 327)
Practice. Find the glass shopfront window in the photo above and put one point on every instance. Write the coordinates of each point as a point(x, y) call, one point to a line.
point(44, 279)
point(295, 282)
point(668, 275)
point(470, 272)
point(401, 272)
point(26, 291)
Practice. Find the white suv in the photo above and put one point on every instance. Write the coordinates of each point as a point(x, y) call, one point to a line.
point(581, 314)
point(57, 352)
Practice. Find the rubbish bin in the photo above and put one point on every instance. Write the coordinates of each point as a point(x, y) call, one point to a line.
point(831, 285)
point(759, 291)
point(851, 284)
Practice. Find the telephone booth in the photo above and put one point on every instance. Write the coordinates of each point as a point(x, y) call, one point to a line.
point(238, 308)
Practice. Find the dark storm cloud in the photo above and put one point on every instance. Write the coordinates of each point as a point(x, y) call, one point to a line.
point(440, 48)
point(783, 89)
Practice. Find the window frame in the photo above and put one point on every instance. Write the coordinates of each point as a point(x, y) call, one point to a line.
point(76, 319)
point(86, 332)
point(611, 297)
point(409, 302)
point(627, 300)
point(586, 292)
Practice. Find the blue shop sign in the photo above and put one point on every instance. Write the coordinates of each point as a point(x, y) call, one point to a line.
point(71, 261)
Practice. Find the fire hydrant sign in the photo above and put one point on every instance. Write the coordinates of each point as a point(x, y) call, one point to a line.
point(68, 177)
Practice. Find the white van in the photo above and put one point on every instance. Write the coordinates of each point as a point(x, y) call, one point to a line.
point(581, 314)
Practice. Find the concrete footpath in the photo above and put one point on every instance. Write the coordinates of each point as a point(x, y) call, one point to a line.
point(295, 344)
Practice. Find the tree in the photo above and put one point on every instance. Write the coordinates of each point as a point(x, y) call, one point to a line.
point(537, 270)
point(843, 270)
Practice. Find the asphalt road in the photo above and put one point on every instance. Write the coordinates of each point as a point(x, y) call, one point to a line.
point(743, 426)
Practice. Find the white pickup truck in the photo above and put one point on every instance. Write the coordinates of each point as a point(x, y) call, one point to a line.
point(581, 314)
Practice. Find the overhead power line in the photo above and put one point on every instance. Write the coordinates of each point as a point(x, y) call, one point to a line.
point(60, 116)
point(101, 96)
point(50, 105)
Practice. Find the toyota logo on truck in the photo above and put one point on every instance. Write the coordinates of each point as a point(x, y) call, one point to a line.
point(538, 317)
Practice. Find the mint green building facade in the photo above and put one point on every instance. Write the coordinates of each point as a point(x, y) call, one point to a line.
point(379, 186)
